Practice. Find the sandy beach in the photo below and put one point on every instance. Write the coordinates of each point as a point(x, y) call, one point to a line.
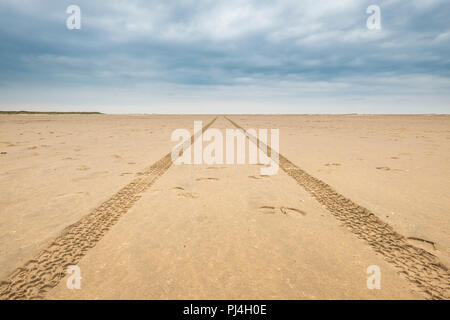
point(101, 192)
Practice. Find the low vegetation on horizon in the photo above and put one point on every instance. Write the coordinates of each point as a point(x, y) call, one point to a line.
point(48, 112)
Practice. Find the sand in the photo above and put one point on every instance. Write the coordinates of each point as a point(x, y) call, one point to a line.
point(81, 189)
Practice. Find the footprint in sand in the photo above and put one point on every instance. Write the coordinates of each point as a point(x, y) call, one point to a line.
point(66, 195)
point(384, 168)
point(332, 164)
point(207, 179)
point(285, 210)
point(125, 173)
point(177, 188)
point(155, 192)
point(83, 168)
point(425, 244)
point(267, 210)
point(91, 176)
point(188, 195)
point(282, 210)
point(260, 176)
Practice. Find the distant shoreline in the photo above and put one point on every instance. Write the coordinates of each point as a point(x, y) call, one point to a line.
point(47, 112)
point(234, 114)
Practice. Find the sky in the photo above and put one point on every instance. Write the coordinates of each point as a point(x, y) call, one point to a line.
point(225, 56)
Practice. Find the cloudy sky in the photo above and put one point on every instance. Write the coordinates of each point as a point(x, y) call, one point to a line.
point(199, 56)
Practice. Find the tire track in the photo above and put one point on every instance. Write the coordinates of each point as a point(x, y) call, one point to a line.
point(44, 272)
point(421, 268)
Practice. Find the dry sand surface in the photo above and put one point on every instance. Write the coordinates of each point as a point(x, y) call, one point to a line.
point(101, 192)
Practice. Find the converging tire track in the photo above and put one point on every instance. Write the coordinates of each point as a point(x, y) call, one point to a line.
point(44, 272)
point(421, 268)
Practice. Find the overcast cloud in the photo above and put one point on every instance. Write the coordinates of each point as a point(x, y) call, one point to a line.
point(226, 56)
